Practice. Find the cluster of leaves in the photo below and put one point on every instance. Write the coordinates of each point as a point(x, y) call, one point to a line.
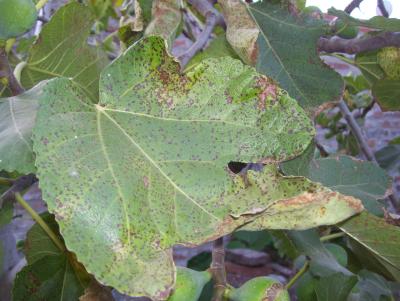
point(132, 154)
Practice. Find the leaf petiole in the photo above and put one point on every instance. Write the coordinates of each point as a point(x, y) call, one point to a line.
point(36, 217)
point(300, 273)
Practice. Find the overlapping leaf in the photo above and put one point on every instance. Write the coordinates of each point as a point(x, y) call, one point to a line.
point(51, 274)
point(288, 54)
point(17, 118)
point(379, 237)
point(148, 164)
point(387, 93)
point(61, 50)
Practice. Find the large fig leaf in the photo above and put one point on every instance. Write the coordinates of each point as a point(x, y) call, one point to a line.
point(146, 168)
point(17, 117)
point(288, 54)
point(61, 50)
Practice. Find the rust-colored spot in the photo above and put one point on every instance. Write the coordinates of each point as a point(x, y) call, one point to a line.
point(45, 141)
point(272, 292)
point(269, 91)
point(146, 182)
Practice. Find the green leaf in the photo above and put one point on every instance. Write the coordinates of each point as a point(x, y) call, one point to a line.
point(50, 274)
point(377, 236)
point(17, 118)
point(61, 50)
point(288, 54)
point(6, 214)
point(377, 22)
point(189, 284)
point(148, 164)
point(387, 93)
point(367, 62)
point(284, 244)
point(388, 157)
point(363, 180)
point(338, 251)
point(373, 286)
point(323, 263)
point(335, 287)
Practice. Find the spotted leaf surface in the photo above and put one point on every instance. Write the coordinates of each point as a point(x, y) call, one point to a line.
point(288, 54)
point(146, 167)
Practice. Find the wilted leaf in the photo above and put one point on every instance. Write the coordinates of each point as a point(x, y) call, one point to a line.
point(166, 19)
point(153, 154)
point(362, 179)
point(61, 50)
point(288, 54)
point(377, 22)
point(335, 287)
point(51, 274)
point(17, 118)
point(387, 93)
point(242, 32)
point(189, 284)
point(97, 292)
point(379, 237)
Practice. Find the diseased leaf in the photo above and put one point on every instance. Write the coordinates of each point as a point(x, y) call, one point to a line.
point(288, 54)
point(51, 274)
point(379, 237)
point(362, 179)
point(166, 19)
point(335, 287)
point(97, 292)
point(61, 50)
point(189, 284)
point(377, 22)
point(387, 93)
point(242, 32)
point(153, 154)
point(17, 118)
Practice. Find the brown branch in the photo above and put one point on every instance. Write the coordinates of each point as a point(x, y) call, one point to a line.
point(352, 46)
point(382, 8)
point(213, 18)
point(352, 5)
point(7, 75)
point(218, 269)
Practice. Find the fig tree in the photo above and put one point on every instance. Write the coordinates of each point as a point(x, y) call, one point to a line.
point(16, 17)
point(259, 289)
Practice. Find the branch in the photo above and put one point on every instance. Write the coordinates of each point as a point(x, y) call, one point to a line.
point(218, 269)
point(382, 8)
point(352, 5)
point(7, 75)
point(213, 18)
point(18, 185)
point(352, 46)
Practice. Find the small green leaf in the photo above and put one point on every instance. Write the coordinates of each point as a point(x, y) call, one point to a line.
point(379, 237)
point(6, 213)
point(50, 274)
point(367, 62)
point(387, 93)
point(288, 54)
point(377, 22)
point(323, 263)
point(189, 284)
point(335, 287)
point(61, 50)
point(372, 287)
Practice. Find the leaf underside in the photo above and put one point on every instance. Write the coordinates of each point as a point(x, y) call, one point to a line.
point(146, 168)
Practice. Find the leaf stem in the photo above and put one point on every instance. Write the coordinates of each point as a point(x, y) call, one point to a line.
point(18, 70)
point(7, 75)
point(40, 4)
point(218, 270)
point(332, 236)
point(36, 217)
point(6, 181)
point(300, 273)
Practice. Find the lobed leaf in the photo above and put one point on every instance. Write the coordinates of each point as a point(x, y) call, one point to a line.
point(148, 164)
